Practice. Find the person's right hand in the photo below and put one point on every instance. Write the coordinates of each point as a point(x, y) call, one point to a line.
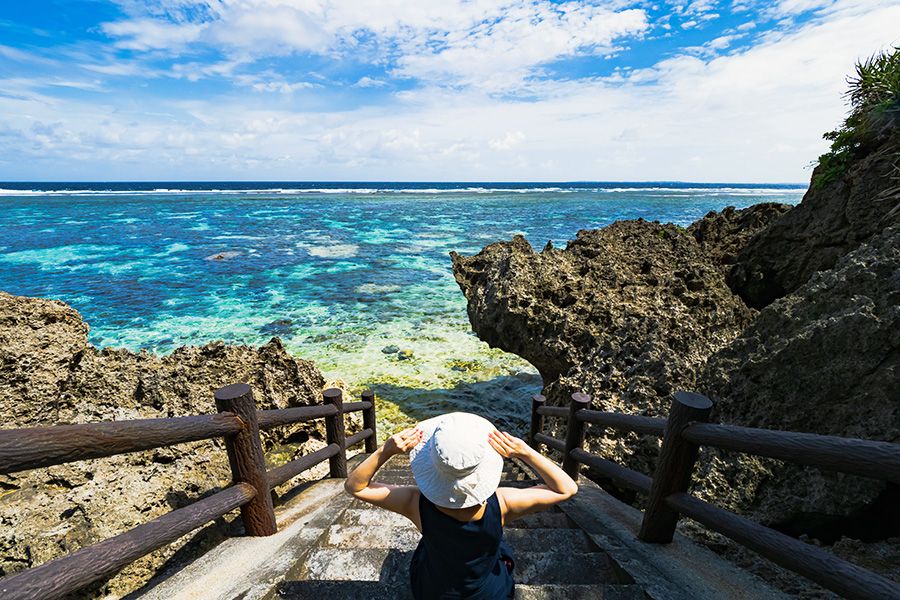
point(508, 446)
point(403, 442)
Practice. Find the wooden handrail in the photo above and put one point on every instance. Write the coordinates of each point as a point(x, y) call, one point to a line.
point(550, 442)
point(22, 449)
point(358, 437)
point(681, 435)
point(288, 471)
point(636, 423)
point(357, 406)
point(826, 569)
point(237, 421)
point(554, 411)
point(877, 460)
point(622, 476)
point(62, 576)
point(287, 416)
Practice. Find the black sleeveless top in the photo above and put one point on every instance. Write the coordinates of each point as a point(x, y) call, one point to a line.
point(456, 560)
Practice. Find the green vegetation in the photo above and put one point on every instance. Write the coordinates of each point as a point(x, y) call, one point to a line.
point(874, 115)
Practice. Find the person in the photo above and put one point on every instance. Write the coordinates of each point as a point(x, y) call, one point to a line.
point(457, 461)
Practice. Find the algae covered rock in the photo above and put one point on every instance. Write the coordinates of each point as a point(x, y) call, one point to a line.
point(50, 374)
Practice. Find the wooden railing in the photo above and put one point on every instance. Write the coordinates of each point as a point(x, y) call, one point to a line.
point(667, 492)
point(238, 422)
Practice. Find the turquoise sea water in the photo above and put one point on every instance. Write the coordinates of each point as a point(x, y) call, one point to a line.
point(344, 274)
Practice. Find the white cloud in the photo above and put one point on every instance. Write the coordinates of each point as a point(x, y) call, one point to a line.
point(454, 41)
point(755, 114)
point(368, 82)
point(507, 141)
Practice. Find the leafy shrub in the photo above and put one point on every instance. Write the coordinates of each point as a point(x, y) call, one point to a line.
point(874, 115)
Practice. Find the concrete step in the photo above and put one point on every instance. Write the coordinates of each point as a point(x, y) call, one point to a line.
point(362, 536)
point(342, 590)
point(540, 539)
point(384, 565)
point(540, 568)
point(373, 517)
point(372, 590)
point(580, 592)
point(542, 520)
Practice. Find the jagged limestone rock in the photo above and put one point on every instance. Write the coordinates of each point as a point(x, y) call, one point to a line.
point(832, 220)
point(627, 313)
point(824, 359)
point(723, 235)
point(51, 374)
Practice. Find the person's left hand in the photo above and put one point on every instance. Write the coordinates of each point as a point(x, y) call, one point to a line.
point(403, 442)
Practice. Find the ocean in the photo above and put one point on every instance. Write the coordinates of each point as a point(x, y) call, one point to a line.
point(354, 276)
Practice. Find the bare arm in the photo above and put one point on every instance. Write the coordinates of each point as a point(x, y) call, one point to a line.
point(557, 486)
point(400, 499)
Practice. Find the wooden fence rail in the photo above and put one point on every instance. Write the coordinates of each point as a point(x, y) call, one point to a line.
point(682, 433)
point(238, 422)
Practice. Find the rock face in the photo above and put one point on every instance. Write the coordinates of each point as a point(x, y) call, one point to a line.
point(632, 312)
point(824, 359)
point(831, 220)
point(627, 314)
point(722, 236)
point(50, 374)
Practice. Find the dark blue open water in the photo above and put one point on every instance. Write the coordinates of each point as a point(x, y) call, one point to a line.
point(339, 271)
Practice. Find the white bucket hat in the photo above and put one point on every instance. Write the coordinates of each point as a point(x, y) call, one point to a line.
point(454, 465)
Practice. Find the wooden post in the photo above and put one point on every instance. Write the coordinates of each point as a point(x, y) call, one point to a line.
point(537, 420)
point(369, 422)
point(575, 433)
point(673, 470)
point(334, 433)
point(245, 455)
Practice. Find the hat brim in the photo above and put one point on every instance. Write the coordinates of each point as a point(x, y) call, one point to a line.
point(471, 490)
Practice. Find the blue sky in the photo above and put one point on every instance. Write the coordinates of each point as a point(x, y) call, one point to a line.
point(693, 90)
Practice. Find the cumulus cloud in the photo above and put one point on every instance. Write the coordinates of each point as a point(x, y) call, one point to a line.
point(451, 41)
point(748, 112)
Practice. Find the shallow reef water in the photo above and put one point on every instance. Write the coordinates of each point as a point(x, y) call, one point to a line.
point(353, 276)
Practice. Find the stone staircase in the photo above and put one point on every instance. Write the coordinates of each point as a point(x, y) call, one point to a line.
point(330, 546)
point(365, 553)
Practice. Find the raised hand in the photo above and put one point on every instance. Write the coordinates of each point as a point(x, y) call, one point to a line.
point(508, 446)
point(403, 442)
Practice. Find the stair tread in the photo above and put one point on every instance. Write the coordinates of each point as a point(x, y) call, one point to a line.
point(565, 567)
point(539, 539)
point(385, 565)
point(363, 536)
point(546, 519)
point(373, 590)
point(341, 590)
point(580, 592)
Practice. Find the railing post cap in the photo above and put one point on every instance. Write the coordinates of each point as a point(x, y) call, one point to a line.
point(332, 393)
point(539, 398)
point(581, 398)
point(693, 400)
point(230, 392)
point(368, 395)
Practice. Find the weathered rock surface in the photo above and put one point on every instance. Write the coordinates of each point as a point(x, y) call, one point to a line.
point(627, 313)
point(636, 310)
point(831, 220)
point(824, 359)
point(50, 374)
point(723, 235)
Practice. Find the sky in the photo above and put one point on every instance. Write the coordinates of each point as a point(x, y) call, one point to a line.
point(428, 90)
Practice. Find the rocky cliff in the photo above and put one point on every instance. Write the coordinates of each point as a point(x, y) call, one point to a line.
point(50, 374)
point(833, 219)
point(636, 310)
